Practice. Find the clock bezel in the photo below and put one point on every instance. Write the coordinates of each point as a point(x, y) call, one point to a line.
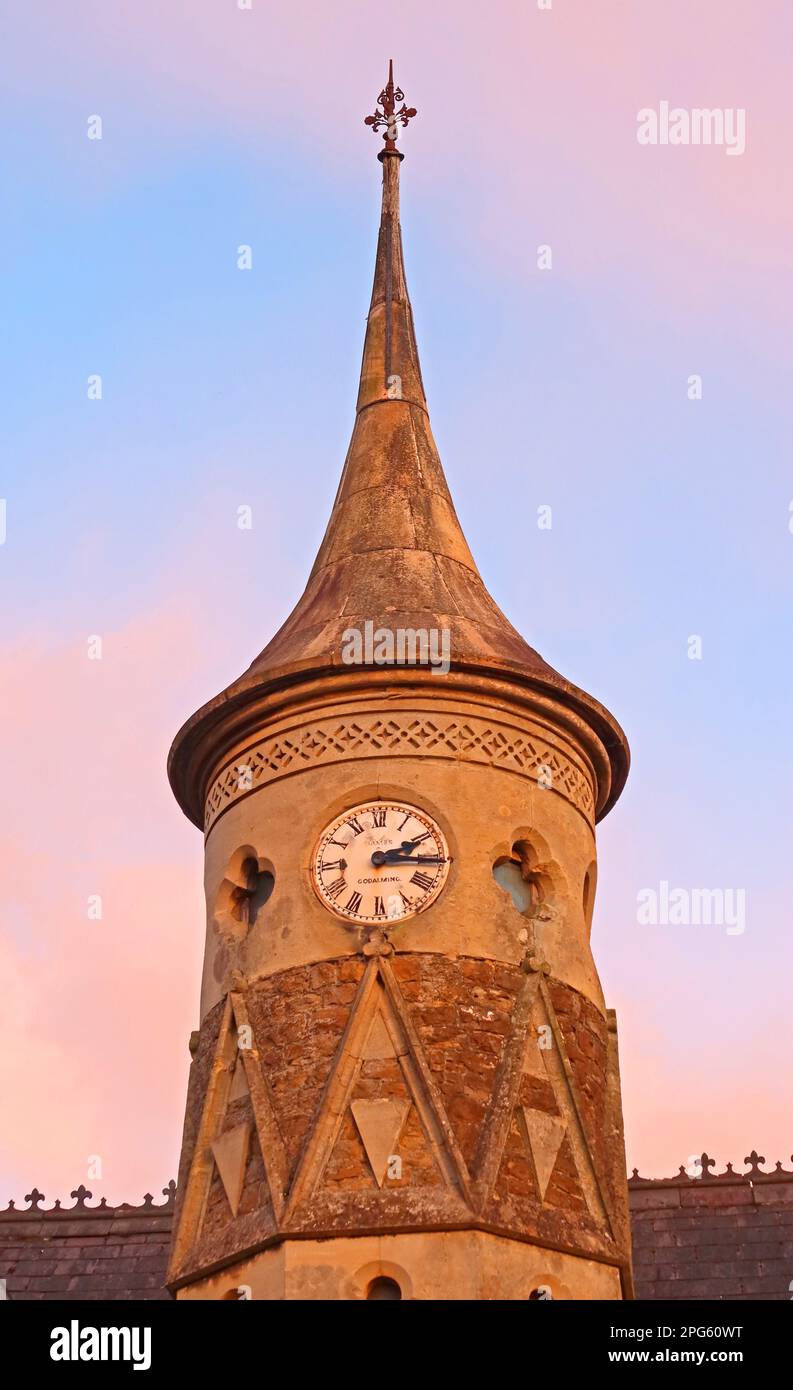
point(367, 922)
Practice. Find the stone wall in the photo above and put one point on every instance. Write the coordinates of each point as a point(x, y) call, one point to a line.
point(401, 1092)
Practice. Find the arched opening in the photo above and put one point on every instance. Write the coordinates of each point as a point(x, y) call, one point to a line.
point(383, 1288)
point(588, 893)
point(260, 884)
point(520, 875)
point(509, 876)
point(243, 893)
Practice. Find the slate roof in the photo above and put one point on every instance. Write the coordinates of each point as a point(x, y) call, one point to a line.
point(83, 1252)
point(714, 1236)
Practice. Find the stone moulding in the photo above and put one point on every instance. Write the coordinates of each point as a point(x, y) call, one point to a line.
point(493, 741)
point(585, 736)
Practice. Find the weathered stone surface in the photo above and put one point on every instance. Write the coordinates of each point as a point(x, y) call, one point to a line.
point(388, 1087)
point(440, 1067)
point(394, 553)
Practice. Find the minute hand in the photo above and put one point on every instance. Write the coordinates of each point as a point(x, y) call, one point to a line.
point(398, 856)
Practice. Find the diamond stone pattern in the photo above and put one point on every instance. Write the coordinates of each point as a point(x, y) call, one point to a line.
point(471, 739)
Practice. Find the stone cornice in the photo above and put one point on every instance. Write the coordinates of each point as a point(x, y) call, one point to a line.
point(206, 742)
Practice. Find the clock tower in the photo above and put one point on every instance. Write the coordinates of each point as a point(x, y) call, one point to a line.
point(405, 1081)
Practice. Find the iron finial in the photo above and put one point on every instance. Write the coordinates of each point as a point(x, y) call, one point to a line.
point(389, 116)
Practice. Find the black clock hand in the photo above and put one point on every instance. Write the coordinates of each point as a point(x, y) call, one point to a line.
point(414, 859)
point(397, 856)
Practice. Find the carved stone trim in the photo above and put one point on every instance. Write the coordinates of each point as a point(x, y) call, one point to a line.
point(399, 733)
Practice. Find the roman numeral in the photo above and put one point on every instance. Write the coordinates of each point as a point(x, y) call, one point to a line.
point(334, 889)
point(332, 864)
point(378, 818)
point(353, 903)
point(405, 821)
point(379, 908)
point(340, 843)
point(355, 826)
point(422, 880)
point(407, 901)
point(419, 839)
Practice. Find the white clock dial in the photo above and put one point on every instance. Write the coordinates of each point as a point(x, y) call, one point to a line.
point(380, 862)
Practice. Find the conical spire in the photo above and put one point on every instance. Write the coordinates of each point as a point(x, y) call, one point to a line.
point(394, 555)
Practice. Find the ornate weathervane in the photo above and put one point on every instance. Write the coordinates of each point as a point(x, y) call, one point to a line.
point(390, 117)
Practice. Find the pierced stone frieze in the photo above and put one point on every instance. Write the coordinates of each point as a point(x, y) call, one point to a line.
point(490, 742)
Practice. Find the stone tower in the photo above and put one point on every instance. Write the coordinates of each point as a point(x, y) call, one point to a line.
point(405, 1083)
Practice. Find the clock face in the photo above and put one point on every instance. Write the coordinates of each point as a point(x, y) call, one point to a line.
point(380, 862)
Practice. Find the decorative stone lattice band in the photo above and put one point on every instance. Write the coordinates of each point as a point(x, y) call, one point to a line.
point(472, 740)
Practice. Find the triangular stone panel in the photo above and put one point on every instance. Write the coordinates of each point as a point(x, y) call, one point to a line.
point(228, 1142)
point(380, 1084)
point(544, 1135)
point(380, 1124)
point(239, 1083)
point(537, 1092)
point(379, 1044)
point(533, 1064)
point(231, 1156)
